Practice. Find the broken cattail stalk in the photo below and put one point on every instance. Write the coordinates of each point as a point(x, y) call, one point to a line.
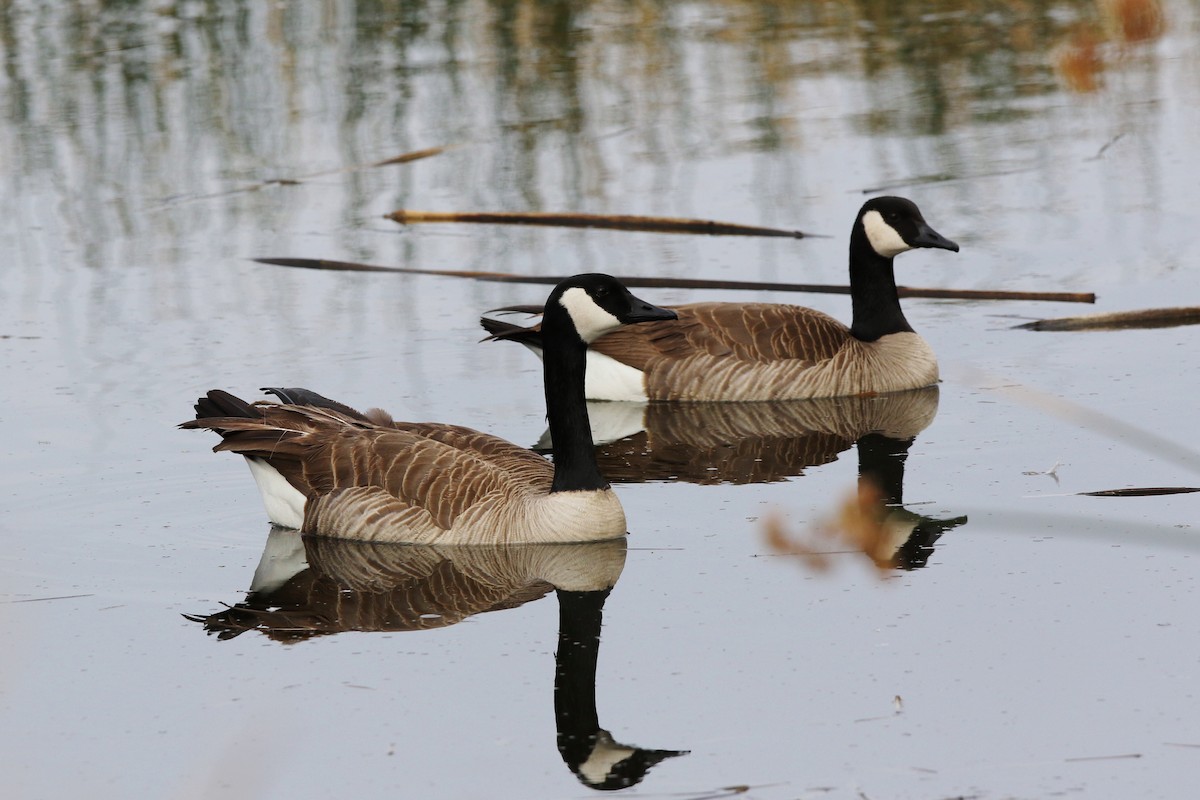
point(1146, 318)
point(415, 155)
point(622, 222)
point(683, 283)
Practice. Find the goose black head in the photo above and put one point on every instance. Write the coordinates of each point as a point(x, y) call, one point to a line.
point(596, 304)
point(893, 225)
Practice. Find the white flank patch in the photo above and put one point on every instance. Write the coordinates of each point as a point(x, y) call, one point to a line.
point(609, 379)
point(285, 503)
point(613, 421)
point(883, 237)
point(283, 558)
point(609, 422)
point(590, 320)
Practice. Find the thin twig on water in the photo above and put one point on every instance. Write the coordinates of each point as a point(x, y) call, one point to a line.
point(1104, 758)
point(683, 283)
point(1149, 491)
point(924, 180)
point(1108, 144)
point(403, 158)
point(45, 599)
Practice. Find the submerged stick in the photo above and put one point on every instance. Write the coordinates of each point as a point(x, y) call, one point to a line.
point(924, 180)
point(1146, 318)
point(403, 158)
point(683, 283)
point(1150, 491)
point(621, 222)
point(1160, 446)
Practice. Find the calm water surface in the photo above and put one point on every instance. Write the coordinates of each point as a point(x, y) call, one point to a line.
point(1037, 642)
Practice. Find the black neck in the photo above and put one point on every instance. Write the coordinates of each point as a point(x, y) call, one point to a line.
point(564, 358)
point(881, 461)
point(873, 291)
point(579, 616)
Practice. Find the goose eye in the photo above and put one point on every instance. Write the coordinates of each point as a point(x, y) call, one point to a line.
point(600, 291)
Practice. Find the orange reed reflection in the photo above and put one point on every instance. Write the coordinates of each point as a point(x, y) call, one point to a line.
point(1079, 60)
point(1134, 21)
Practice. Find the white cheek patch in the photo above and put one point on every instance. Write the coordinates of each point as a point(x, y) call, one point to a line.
point(883, 237)
point(591, 321)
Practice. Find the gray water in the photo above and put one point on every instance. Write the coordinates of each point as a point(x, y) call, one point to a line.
point(1046, 645)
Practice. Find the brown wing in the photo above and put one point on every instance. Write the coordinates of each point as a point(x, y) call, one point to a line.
point(364, 586)
point(753, 332)
point(426, 471)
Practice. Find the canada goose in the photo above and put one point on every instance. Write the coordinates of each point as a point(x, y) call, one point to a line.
point(743, 443)
point(766, 351)
point(597, 759)
point(906, 538)
point(331, 471)
point(308, 586)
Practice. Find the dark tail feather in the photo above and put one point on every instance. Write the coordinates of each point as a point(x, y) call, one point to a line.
point(307, 397)
point(218, 403)
point(519, 309)
point(507, 331)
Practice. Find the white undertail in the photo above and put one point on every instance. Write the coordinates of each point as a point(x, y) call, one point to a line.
point(284, 502)
point(282, 559)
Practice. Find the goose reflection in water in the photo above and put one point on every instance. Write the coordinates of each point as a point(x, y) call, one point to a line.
point(743, 443)
point(308, 586)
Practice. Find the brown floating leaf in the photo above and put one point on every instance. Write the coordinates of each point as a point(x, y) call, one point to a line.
point(1146, 318)
point(1150, 491)
point(680, 283)
point(624, 222)
point(782, 542)
point(859, 522)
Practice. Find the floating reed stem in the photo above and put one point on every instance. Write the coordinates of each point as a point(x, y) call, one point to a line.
point(682, 283)
point(621, 222)
point(1146, 318)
